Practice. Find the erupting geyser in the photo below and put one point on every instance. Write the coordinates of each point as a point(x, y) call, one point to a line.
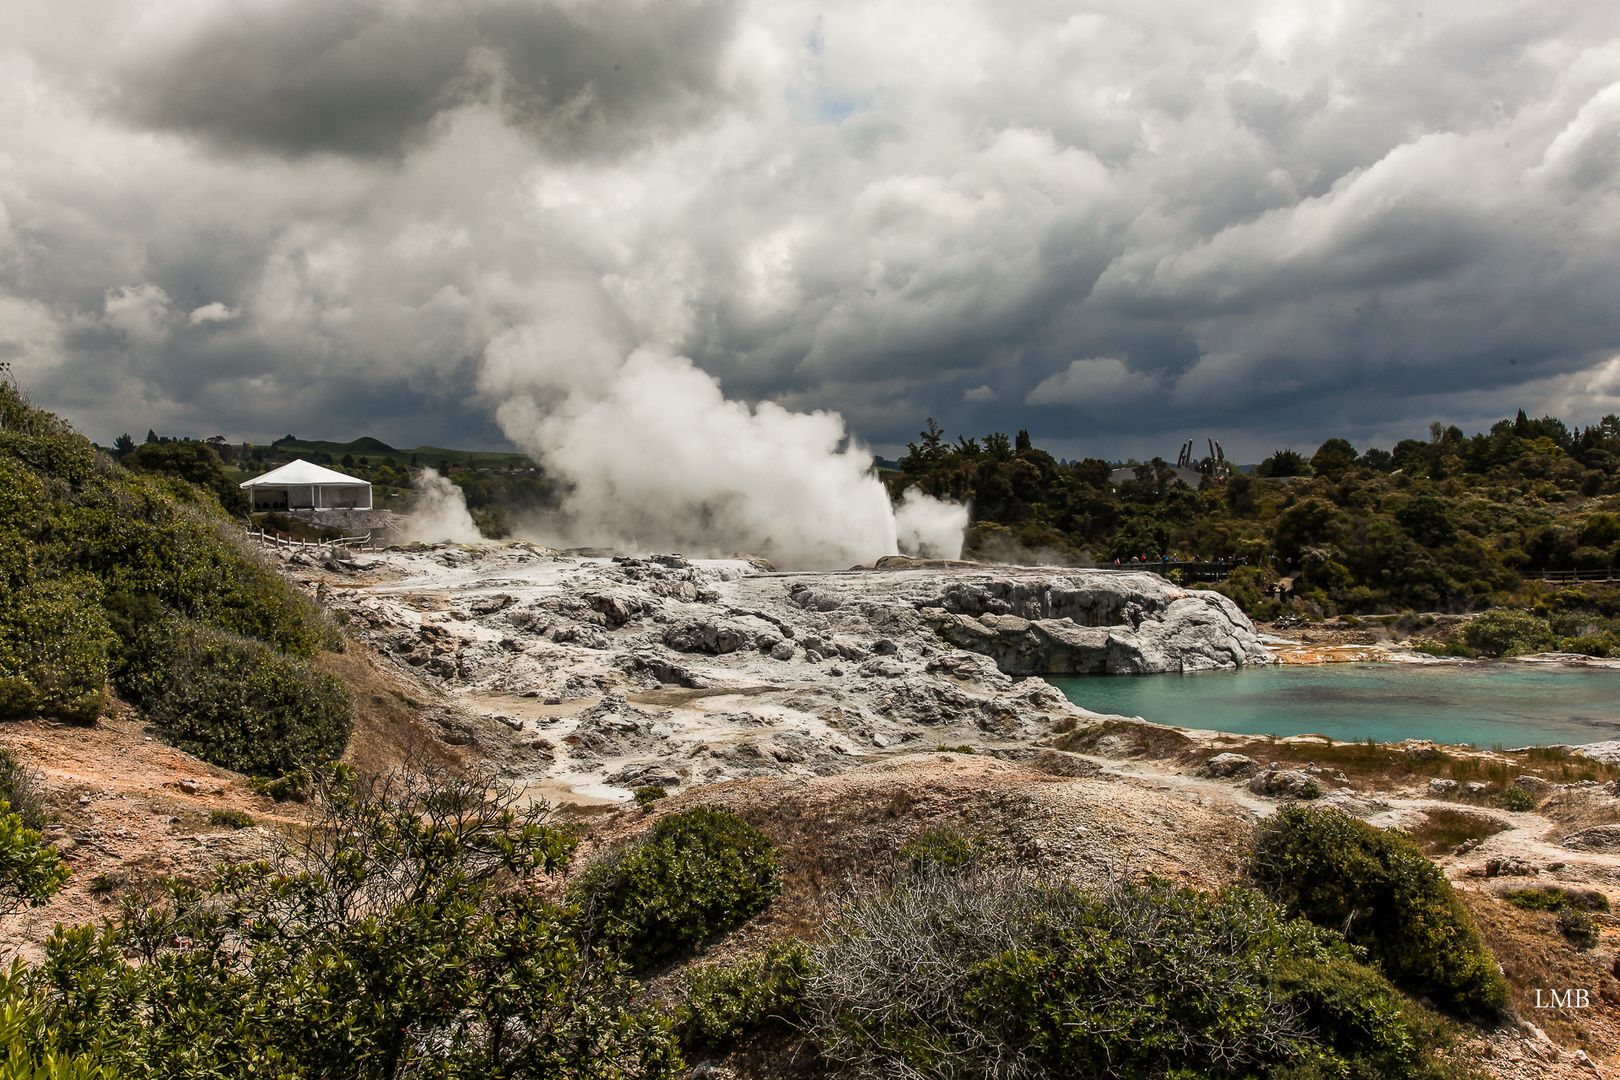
point(656, 458)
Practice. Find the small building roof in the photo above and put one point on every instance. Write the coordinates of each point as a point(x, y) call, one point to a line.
point(301, 473)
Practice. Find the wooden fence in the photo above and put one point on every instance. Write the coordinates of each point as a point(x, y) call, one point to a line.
point(1573, 577)
point(277, 538)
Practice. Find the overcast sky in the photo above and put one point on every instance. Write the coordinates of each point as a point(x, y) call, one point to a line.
point(1116, 224)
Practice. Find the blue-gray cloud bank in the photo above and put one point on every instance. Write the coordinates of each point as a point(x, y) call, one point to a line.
point(1111, 223)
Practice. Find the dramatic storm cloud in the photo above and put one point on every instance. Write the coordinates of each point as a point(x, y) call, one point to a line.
point(1115, 224)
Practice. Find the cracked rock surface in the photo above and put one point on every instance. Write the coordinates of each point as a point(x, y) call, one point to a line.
point(609, 673)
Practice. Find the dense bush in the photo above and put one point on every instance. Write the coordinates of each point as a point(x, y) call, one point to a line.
point(996, 975)
point(237, 702)
point(402, 934)
point(1508, 633)
point(724, 1002)
point(699, 872)
point(28, 1049)
point(1382, 893)
point(92, 556)
point(30, 871)
point(54, 640)
point(194, 462)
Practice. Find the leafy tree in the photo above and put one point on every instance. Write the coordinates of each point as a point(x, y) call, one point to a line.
point(1333, 459)
point(1377, 460)
point(1284, 463)
point(1428, 520)
point(194, 462)
point(1312, 523)
point(122, 446)
point(1601, 530)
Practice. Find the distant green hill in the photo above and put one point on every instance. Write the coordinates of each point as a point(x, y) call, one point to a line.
point(366, 446)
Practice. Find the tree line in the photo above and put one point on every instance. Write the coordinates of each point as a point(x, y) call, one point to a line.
point(1453, 522)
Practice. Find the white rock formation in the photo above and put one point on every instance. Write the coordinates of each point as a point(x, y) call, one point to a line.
point(607, 673)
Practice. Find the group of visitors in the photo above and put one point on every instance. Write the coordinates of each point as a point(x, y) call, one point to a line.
point(1171, 557)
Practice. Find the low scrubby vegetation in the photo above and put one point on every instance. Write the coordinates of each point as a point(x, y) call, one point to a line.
point(725, 1003)
point(1383, 894)
point(1557, 898)
point(401, 934)
point(136, 577)
point(998, 974)
point(416, 926)
point(1375, 762)
point(1445, 829)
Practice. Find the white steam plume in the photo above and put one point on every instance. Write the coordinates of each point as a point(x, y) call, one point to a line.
point(440, 514)
point(930, 527)
point(658, 459)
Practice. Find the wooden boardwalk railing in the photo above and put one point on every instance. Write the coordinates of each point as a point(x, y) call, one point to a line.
point(1573, 577)
point(277, 538)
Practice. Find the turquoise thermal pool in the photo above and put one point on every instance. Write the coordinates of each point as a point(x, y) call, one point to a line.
point(1514, 704)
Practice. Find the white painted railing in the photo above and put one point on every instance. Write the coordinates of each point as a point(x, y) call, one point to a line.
point(277, 539)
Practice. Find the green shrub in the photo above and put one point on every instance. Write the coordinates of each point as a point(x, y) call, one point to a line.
point(1556, 898)
point(235, 702)
point(1000, 975)
point(94, 557)
point(294, 785)
point(1508, 633)
point(942, 848)
point(724, 1002)
point(236, 819)
point(1383, 894)
point(700, 871)
point(53, 649)
point(20, 788)
point(30, 872)
point(195, 462)
point(649, 794)
point(28, 1049)
point(1578, 928)
point(1537, 899)
point(1516, 799)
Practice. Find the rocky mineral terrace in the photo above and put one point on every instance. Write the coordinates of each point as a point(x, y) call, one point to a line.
point(602, 674)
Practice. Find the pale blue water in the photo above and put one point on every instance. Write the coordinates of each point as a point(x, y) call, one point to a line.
point(1514, 704)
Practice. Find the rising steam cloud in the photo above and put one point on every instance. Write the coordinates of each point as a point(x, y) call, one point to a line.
point(440, 514)
point(658, 459)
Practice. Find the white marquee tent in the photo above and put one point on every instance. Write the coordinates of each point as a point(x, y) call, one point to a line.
point(300, 485)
